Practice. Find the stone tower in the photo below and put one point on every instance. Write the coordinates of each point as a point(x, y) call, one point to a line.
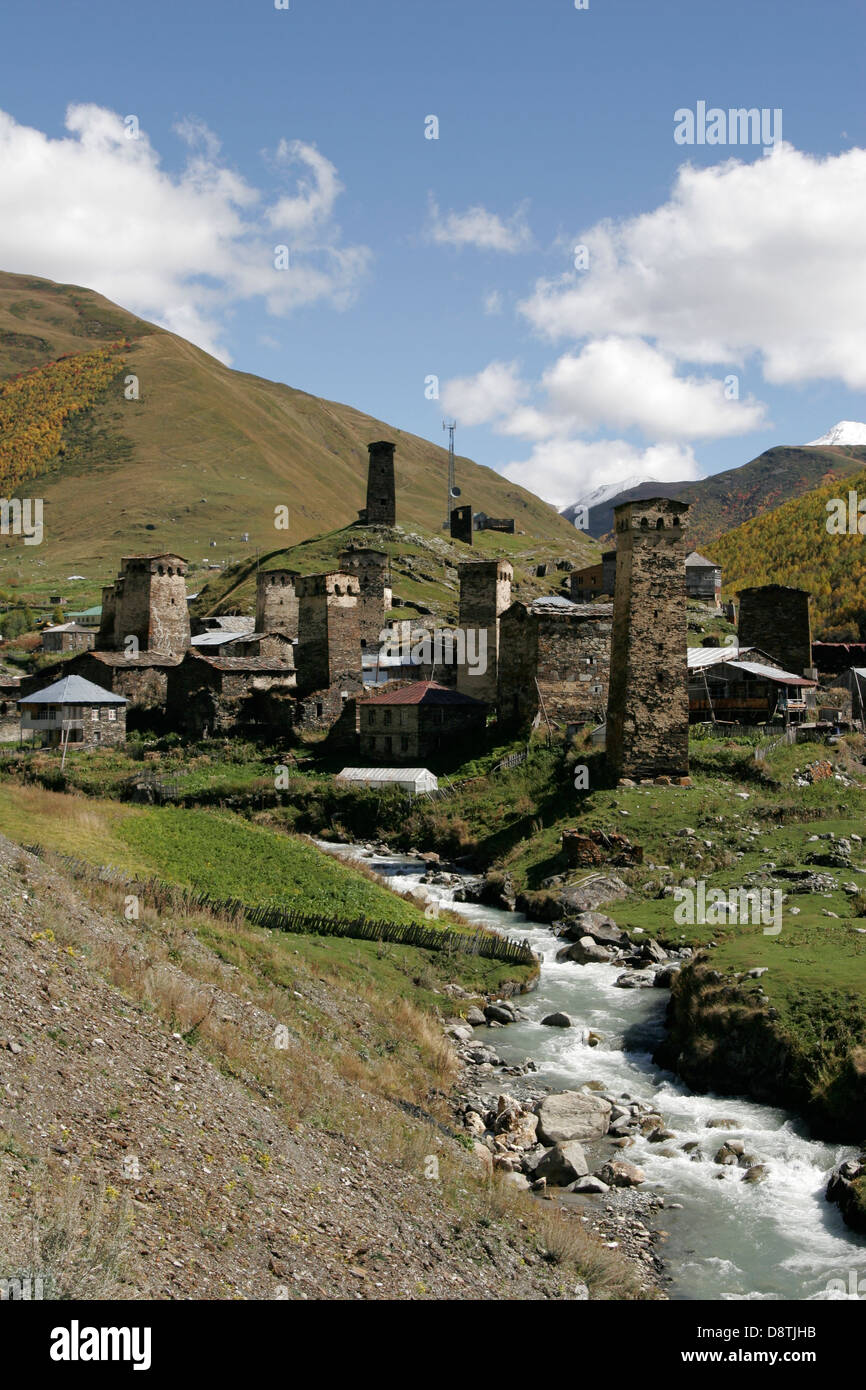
point(329, 639)
point(381, 508)
point(372, 570)
point(147, 602)
point(776, 619)
point(648, 700)
point(485, 593)
point(277, 602)
point(461, 524)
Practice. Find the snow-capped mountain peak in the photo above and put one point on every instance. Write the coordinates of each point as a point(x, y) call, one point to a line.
point(603, 494)
point(846, 432)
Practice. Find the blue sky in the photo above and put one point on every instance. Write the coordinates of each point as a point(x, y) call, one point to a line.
point(455, 257)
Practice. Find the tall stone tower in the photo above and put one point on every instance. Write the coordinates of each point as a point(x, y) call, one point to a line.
point(776, 618)
point(329, 639)
point(147, 602)
point(277, 602)
point(381, 508)
point(485, 593)
point(648, 699)
point(372, 570)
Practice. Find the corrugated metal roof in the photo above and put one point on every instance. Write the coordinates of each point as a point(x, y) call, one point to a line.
point(708, 656)
point(221, 638)
point(771, 673)
point(73, 690)
point(384, 774)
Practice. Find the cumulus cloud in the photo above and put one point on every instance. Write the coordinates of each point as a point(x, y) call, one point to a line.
point(563, 470)
point(478, 228)
point(485, 397)
point(762, 258)
point(97, 208)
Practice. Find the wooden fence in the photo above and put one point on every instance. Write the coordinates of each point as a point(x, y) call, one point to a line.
point(479, 943)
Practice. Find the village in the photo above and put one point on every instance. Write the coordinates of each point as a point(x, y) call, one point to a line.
point(616, 651)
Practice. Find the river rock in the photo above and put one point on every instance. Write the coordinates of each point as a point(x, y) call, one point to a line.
point(726, 1157)
point(757, 1173)
point(586, 952)
point(590, 1184)
point(721, 1122)
point(557, 1021)
point(603, 930)
point(664, 978)
point(585, 897)
point(474, 1123)
point(499, 1013)
point(518, 1180)
point(483, 1158)
point(634, 979)
point(570, 1115)
point(617, 1173)
point(562, 1164)
point(474, 1016)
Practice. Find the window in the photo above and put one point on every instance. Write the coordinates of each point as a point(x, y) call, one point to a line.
point(94, 714)
point(319, 709)
point(404, 743)
point(112, 716)
point(387, 718)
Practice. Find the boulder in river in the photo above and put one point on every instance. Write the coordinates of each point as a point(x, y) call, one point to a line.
point(616, 1173)
point(557, 1020)
point(562, 1164)
point(586, 952)
point(585, 897)
point(603, 930)
point(566, 1115)
point(499, 1013)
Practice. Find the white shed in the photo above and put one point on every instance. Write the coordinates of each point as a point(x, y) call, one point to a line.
point(416, 780)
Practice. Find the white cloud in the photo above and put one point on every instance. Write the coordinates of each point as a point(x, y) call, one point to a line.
point(760, 258)
point(483, 230)
point(624, 383)
point(493, 302)
point(562, 470)
point(481, 399)
point(96, 208)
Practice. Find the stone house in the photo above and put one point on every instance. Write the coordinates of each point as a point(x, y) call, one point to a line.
point(413, 723)
point(593, 581)
point(703, 579)
point(554, 662)
point(73, 711)
point(776, 618)
point(146, 603)
point(67, 637)
point(209, 695)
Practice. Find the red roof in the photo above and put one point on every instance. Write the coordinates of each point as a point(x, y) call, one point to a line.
point(422, 693)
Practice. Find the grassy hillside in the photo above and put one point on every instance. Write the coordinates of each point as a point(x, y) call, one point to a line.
point(791, 545)
point(728, 499)
point(206, 453)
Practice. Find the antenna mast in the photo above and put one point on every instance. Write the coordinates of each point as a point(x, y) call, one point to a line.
point(450, 426)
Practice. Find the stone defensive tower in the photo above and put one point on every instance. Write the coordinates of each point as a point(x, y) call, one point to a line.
point(329, 639)
point(485, 593)
point(372, 570)
point(148, 602)
point(277, 602)
point(648, 702)
point(381, 508)
point(776, 619)
point(461, 525)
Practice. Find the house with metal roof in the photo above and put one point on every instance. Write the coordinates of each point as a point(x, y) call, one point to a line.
point(416, 780)
point(73, 711)
point(732, 690)
point(413, 723)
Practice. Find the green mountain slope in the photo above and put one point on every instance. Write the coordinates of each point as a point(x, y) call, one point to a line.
point(792, 545)
point(206, 453)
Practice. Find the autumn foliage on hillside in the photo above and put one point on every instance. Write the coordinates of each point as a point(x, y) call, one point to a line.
point(35, 405)
point(793, 545)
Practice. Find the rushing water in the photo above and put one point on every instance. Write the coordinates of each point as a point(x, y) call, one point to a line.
point(778, 1239)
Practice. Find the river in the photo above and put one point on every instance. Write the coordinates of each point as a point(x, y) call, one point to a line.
point(778, 1239)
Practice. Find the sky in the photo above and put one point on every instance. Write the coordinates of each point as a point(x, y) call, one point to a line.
point(539, 220)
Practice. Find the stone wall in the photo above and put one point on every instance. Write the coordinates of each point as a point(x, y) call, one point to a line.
point(416, 734)
point(485, 593)
point(567, 653)
point(776, 619)
point(329, 635)
point(648, 705)
point(277, 602)
point(372, 570)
